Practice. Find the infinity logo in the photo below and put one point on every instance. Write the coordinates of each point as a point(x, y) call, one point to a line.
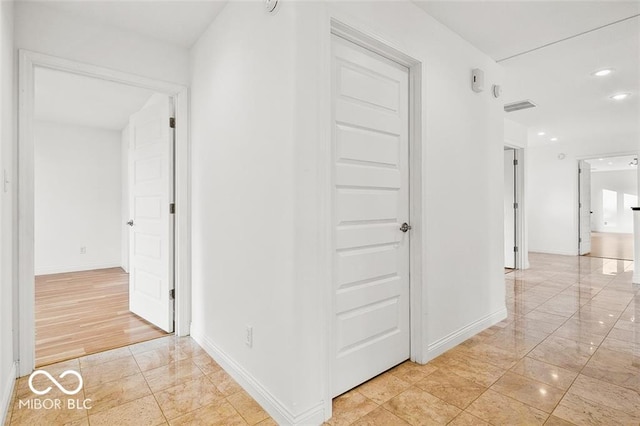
point(55, 382)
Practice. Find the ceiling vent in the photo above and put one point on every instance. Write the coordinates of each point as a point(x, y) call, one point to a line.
point(517, 106)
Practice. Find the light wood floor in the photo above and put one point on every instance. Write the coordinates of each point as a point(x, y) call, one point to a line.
point(612, 245)
point(81, 313)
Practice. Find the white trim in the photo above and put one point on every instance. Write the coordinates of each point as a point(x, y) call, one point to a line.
point(576, 198)
point(7, 394)
point(558, 252)
point(369, 40)
point(48, 270)
point(182, 224)
point(522, 258)
point(451, 340)
point(271, 404)
point(27, 61)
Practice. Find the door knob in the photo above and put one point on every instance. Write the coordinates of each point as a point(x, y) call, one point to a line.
point(405, 227)
point(130, 223)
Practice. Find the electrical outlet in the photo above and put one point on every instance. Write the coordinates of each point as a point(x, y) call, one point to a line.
point(248, 338)
point(83, 250)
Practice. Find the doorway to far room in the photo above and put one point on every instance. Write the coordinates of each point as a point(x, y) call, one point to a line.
point(84, 181)
point(613, 191)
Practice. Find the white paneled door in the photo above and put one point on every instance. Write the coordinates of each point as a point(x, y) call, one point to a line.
point(371, 203)
point(585, 207)
point(151, 235)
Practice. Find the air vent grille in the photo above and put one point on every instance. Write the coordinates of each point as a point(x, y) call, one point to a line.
point(517, 106)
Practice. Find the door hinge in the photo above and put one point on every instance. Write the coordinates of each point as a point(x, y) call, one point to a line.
point(579, 170)
point(515, 162)
point(172, 208)
point(172, 122)
point(172, 293)
point(515, 205)
point(579, 240)
point(515, 249)
point(580, 205)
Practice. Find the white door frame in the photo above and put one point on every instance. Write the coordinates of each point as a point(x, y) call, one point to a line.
point(522, 256)
point(26, 284)
point(576, 198)
point(380, 46)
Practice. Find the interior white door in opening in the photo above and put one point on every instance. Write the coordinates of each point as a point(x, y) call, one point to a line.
point(151, 235)
point(370, 97)
point(584, 190)
point(509, 208)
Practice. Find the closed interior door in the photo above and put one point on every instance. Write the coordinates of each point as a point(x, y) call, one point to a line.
point(371, 202)
point(585, 206)
point(509, 209)
point(151, 234)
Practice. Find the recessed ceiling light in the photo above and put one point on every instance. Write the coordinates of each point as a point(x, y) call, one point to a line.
point(541, 133)
point(610, 163)
point(600, 159)
point(603, 72)
point(619, 96)
point(554, 139)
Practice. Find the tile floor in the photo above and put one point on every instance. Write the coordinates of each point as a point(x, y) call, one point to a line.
point(164, 381)
point(568, 353)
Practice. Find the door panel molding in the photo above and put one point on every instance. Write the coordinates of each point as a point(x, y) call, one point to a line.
point(342, 26)
point(25, 286)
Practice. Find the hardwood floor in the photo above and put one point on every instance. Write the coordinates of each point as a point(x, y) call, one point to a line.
point(611, 245)
point(80, 313)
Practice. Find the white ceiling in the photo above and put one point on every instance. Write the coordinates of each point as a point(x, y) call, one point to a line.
point(505, 28)
point(573, 105)
point(72, 99)
point(610, 164)
point(179, 22)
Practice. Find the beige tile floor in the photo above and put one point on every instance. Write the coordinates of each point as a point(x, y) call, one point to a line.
point(163, 381)
point(568, 353)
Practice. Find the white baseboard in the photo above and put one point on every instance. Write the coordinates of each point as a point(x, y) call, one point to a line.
point(559, 252)
point(47, 270)
point(274, 407)
point(7, 393)
point(453, 339)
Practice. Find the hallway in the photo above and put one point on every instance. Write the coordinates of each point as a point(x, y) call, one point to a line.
point(567, 354)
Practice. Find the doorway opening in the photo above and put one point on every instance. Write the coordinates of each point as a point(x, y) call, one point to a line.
point(608, 189)
point(85, 134)
point(163, 273)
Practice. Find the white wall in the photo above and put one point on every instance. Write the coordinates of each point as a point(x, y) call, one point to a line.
point(77, 198)
point(46, 30)
point(552, 185)
point(623, 182)
point(8, 271)
point(515, 134)
point(124, 199)
point(242, 174)
point(259, 96)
